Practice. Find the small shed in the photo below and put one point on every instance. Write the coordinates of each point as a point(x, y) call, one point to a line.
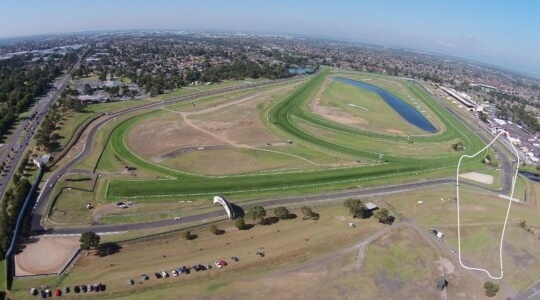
point(370, 206)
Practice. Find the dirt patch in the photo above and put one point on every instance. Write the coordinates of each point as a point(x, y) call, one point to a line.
point(395, 131)
point(522, 258)
point(159, 136)
point(448, 266)
point(334, 114)
point(102, 210)
point(478, 177)
point(387, 284)
point(45, 255)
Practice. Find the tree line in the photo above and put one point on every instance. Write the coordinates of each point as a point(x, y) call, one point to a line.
point(22, 81)
point(10, 207)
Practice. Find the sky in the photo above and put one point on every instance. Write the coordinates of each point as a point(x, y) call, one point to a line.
point(498, 32)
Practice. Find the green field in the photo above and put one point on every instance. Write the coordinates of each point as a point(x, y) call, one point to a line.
point(379, 116)
point(285, 117)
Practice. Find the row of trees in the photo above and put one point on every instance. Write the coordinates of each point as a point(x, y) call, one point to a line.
point(46, 136)
point(10, 207)
point(258, 213)
point(22, 81)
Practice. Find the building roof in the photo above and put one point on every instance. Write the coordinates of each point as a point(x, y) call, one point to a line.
point(371, 206)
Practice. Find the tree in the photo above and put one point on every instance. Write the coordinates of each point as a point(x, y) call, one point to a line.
point(309, 214)
point(356, 208)
point(215, 230)
point(491, 288)
point(281, 212)
point(187, 235)
point(88, 89)
point(382, 215)
point(441, 283)
point(240, 223)
point(89, 240)
point(256, 212)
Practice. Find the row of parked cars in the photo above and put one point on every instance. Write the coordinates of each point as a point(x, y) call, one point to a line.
point(45, 293)
point(184, 270)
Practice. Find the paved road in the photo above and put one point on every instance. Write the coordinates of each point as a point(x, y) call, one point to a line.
point(363, 192)
point(40, 110)
point(532, 293)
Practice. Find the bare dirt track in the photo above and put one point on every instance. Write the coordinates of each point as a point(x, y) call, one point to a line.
point(46, 255)
point(478, 177)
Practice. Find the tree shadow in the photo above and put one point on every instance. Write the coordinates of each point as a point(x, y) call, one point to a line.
point(106, 249)
point(269, 221)
point(248, 226)
point(290, 217)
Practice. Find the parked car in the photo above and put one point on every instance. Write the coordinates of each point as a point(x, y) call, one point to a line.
point(84, 288)
point(223, 263)
point(43, 294)
point(174, 273)
point(77, 289)
point(218, 264)
point(66, 289)
point(201, 267)
point(131, 282)
point(208, 266)
point(235, 259)
point(33, 291)
point(144, 277)
point(196, 268)
point(352, 225)
point(164, 274)
point(158, 275)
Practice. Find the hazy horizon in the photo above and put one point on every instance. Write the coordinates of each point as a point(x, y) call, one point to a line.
point(497, 33)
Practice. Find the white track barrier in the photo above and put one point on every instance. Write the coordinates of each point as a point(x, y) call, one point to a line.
point(507, 212)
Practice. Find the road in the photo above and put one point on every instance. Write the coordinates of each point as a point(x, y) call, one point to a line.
point(532, 293)
point(28, 127)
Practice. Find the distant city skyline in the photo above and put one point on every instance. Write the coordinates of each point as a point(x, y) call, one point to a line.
point(494, 32)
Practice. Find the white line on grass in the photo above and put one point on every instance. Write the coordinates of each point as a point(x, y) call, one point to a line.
point(507, 212)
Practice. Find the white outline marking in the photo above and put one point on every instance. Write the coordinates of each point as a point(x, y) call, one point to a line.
point(507, 212)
